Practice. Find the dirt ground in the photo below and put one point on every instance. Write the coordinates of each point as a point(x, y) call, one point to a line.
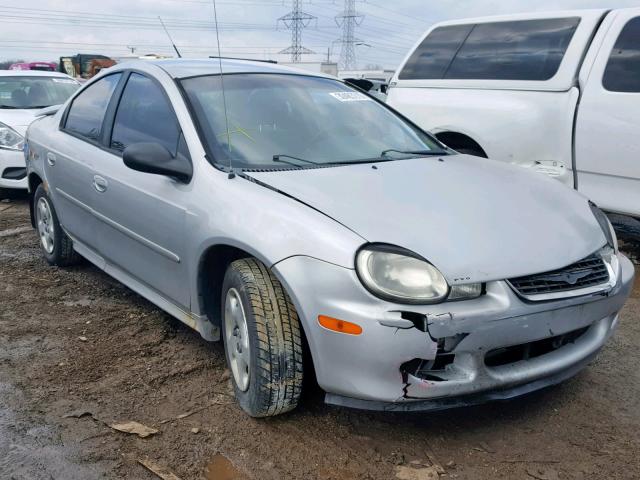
point(79, 352)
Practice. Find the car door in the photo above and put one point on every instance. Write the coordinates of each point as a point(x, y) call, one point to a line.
point(71, 158)
point(607, 142)
point(142, 231)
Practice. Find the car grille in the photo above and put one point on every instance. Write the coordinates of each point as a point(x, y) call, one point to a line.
point(589, 272)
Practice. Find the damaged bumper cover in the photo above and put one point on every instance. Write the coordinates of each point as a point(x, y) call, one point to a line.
point(452, 354)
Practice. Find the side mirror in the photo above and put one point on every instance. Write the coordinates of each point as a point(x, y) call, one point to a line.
point(156, 159)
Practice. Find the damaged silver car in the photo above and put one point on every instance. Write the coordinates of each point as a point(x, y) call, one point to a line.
point(317, 232)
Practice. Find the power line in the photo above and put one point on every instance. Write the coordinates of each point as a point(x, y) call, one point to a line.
point(349, 19)
point(296, 21)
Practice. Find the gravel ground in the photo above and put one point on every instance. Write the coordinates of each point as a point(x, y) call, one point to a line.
point(79, 352)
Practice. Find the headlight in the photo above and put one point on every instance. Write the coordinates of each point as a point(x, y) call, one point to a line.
point(605, 225)
point(9, 138)
point(399, 275)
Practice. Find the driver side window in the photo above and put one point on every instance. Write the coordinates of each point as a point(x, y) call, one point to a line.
point(144, 115)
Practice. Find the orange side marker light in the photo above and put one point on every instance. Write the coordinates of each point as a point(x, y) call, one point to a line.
point(340, 326)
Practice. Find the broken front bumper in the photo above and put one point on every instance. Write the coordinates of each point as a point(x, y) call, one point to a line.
point(428, 357)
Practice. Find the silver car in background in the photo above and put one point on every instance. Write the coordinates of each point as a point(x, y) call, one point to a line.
point(287, 213)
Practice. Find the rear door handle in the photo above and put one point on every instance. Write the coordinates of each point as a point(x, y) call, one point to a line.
point(100, 184)
point(51, 159)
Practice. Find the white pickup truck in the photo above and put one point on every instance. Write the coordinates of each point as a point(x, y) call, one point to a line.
point(556, 92)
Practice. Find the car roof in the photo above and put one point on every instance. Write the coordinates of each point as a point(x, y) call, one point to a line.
point(183, 68)
point(31, 73)
point(527, 16)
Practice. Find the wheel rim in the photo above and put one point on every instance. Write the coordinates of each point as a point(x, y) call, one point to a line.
point(44, 220)
point(237, 339)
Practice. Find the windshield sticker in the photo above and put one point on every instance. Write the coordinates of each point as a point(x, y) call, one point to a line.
point(63, 80)
point(350, 96)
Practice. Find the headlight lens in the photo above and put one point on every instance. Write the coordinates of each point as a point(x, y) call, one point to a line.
point(399, 275)
point(9, 138)
point(606, 226)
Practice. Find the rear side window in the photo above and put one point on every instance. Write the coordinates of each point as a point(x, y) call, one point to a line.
point(623, 69)
point(87, 111)
point(144, 115)
point(432, 58)
point(519, 50)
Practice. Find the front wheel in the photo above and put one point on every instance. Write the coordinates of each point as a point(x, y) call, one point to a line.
point(262, 340)
point(56, 246)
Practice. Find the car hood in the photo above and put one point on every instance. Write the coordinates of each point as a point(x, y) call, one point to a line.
point(475, 219)
point(19, 120)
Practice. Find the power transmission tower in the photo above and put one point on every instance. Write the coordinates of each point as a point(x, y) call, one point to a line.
point(296, 21)
point(349, 19)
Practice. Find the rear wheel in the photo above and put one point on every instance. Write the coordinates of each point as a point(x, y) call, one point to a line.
point(56, 246)
point(262, 339)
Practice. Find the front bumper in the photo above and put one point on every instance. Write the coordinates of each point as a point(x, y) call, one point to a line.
point(376, 370)
point(13, 171)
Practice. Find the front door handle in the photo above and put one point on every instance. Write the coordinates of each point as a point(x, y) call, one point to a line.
point(100, 184)
point(51, 159)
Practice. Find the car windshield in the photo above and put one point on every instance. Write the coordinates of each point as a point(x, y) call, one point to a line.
point(298, 120)
point(35, 92)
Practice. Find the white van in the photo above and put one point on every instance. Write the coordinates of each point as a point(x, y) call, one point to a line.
point(556, 92)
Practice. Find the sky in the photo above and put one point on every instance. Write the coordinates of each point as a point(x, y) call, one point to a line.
point(47, 29)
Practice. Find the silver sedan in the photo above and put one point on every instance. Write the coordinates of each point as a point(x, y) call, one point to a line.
point(315, 230)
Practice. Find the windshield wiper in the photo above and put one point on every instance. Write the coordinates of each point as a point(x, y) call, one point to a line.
point(9, 107)
point(414, 152)
point(33, 107)
point(279, 158)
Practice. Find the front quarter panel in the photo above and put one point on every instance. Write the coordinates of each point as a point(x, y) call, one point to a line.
point(261, 221)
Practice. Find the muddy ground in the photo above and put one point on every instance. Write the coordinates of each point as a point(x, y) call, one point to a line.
point(73, 341)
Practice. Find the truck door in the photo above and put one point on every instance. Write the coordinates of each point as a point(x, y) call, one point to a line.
point(608, 123)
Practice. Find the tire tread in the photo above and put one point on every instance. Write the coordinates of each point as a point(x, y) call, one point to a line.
point(279, 342)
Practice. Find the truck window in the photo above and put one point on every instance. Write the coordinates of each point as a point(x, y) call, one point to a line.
point(517, 50)
point(622, 73)
point(434, 55)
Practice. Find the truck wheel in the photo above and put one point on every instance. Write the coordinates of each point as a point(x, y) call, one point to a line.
point(56, 246)
point(262, 339)
point(627, 228)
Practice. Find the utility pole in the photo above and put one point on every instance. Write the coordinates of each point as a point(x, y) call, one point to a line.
point(349, 19)
point(296, 21)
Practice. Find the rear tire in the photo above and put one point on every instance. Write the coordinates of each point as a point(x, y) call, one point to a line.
point(55, 244)
point(262, 340)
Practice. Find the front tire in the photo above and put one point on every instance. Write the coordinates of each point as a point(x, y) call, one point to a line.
point(262, 340)
point(56, 246)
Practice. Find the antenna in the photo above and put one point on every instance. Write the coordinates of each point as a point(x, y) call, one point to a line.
point(224, 97)
point(170, 39)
